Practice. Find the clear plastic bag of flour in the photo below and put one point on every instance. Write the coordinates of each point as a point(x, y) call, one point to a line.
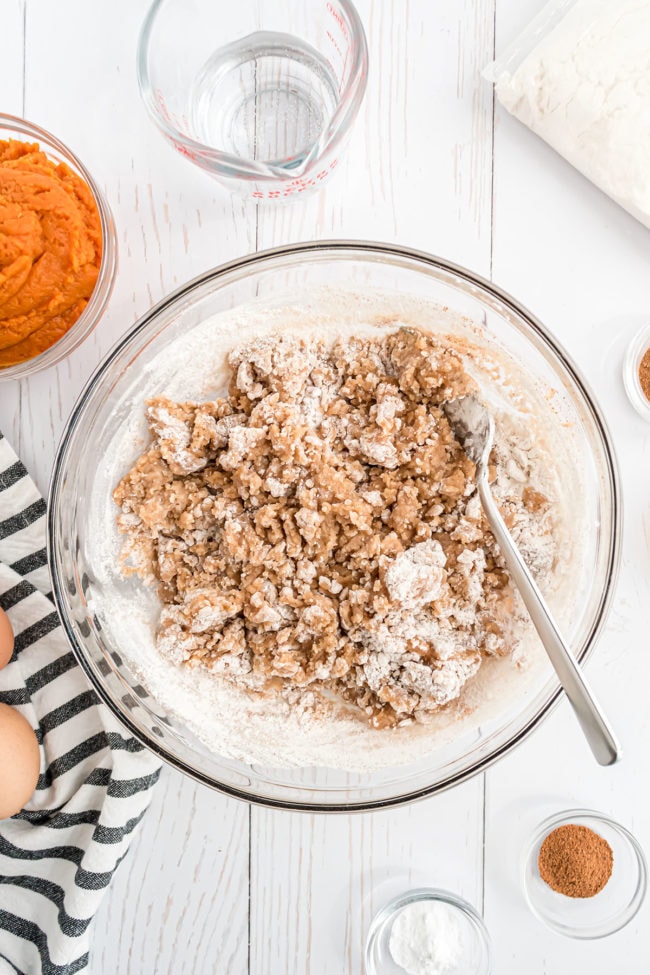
point(525, 42)
point(579, 76)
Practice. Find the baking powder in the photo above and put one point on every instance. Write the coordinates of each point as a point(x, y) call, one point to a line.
point(428, 938)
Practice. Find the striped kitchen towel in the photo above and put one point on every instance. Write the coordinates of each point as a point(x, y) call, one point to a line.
point(58, 855)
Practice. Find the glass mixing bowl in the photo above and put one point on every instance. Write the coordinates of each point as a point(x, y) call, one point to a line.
point(116, 393)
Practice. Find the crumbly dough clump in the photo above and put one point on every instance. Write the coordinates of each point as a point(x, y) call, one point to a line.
point(317, 533)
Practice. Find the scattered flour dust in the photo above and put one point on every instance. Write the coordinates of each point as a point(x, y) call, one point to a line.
point(283, 731)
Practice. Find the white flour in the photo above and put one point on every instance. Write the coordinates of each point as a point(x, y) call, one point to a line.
point(585, 89)
point(223, 717)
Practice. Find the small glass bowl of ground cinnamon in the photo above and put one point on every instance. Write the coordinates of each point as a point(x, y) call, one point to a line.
point(636, 373)
point(584, 875)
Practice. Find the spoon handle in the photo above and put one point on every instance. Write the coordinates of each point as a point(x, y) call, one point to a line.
point(595, 726)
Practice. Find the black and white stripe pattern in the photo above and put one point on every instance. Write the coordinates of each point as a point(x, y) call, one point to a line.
point(59, 854)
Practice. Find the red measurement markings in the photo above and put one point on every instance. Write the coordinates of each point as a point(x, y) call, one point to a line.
point(163, 105)
point(184, 151)
point(296, 185)
point(332, 40)
point(339, 20)
point(343, 54)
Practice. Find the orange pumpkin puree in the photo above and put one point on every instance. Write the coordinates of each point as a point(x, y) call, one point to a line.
point(50, 250)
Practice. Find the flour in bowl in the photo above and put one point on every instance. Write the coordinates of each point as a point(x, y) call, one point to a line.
point(537, 444)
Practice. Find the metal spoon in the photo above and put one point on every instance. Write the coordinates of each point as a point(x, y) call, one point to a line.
point(473, 427)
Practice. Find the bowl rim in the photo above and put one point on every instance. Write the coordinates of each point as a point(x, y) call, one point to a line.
point(258, 259)
point(96, 306)
point(351, 97)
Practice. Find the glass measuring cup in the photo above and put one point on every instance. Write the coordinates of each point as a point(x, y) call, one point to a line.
point(263, 99)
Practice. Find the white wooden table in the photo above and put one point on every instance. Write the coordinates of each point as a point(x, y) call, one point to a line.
point(212, 885)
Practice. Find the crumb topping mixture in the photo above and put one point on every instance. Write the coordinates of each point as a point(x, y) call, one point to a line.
point(317, 534)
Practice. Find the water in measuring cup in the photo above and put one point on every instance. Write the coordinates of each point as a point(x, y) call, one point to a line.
point(267, 96)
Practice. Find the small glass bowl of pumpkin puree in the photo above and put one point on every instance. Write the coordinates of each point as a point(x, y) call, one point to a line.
point(58, 249)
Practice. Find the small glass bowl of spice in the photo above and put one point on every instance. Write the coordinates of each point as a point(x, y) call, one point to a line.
point(427, 931)
point(58, 258)
point(584, 874)
point(636, 373)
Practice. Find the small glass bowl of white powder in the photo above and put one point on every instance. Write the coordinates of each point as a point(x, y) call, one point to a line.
point(427, 932)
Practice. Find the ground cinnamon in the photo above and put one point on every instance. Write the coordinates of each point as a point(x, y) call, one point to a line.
point(644, 374)
point(575, 861)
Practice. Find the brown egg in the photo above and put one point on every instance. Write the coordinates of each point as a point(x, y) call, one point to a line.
point(6, 639)
point(19, 761)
